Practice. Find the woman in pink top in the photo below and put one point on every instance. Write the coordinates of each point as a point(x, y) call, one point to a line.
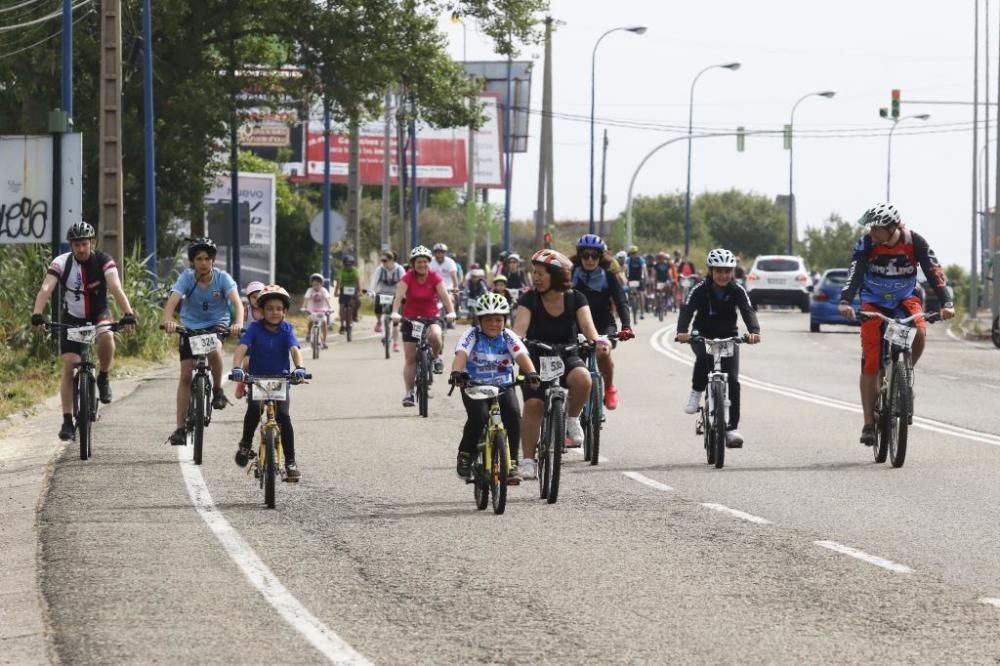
point(420, 289)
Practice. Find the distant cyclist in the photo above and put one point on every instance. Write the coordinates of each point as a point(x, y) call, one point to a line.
point(252, 311)
point(385, 279)
point(517, 278)
point(662, 276)
point(348, 290)
point(635, 271)
point(884, 272)
point(316, 301)
point(500, 287)
point(86, 275)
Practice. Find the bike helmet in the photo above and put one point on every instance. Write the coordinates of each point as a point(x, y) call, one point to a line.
point(551, 259)
point(420, 251)
point(347, 259)
point(199, 244)
point(80, 231)
point(503, 255)
point(491, 303)
point(316, 276)
point(721, 258)
point(274, 291)
point(621, 256)
point(500, 278)
point(477, 273)
point(440, 247)
point(633, 249)
point(591, 242)
point(513, 256)
point(253, 288)
point(662, 255)
point(880, 215)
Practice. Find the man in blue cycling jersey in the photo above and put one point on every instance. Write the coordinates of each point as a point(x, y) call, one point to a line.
point(635, 271)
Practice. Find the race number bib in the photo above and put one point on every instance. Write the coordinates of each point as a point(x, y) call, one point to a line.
point(348, 291)
point(418, 329)
point(900, 335)
point(269, 389)
point(82, 334)
point(386, 299)
point(551, 368)
point(203, 344)
point(634, 284)
point(726, 349)
point(660, 286)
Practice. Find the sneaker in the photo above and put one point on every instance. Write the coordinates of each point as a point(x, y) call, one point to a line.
point(378, 325)
point(734, 440)
point(243, 453)
point(219, 400)
point(463, 464)
point(529, 469)
point(292, 472)
point(574, 432)
point(611, 397)
point(325, 346)
point(438, 365)
point(868, 435)
point(408, 400)
point(513, 475)
point(104, 388)
point(178, 438)
point(693, 402)
point(395, 347)
point(67, 431)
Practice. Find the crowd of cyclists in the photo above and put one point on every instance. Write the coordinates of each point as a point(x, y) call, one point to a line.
point(551, 298)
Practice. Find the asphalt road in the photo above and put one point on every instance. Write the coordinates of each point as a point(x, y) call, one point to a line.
point(801, 550)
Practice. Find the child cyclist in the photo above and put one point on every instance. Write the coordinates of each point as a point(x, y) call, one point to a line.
point(267, 344)
point(713, 303)
point(317, 301)
point(486, 354)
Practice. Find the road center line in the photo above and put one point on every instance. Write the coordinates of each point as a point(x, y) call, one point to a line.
point(645, 480)
point(737, 514)
point(863, 556)
point(332, 646)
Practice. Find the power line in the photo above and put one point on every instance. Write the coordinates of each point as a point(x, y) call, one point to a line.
point(45, 39)
point(47, 17)
point(14, 8)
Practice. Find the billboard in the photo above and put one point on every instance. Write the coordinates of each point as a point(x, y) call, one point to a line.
point(257, 244)
point(26, 195)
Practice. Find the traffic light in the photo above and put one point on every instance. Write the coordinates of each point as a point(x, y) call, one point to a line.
point(740, 138)
point(895, 103)
point(547, 239)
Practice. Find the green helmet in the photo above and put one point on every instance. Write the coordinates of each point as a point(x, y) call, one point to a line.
point(492, 303)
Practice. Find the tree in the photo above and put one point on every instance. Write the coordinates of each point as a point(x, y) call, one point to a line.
point(656, 221)
point(831, 245)
point(745, 223)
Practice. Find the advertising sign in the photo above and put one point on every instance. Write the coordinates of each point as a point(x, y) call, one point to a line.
point(26, 193)
point(258, 251)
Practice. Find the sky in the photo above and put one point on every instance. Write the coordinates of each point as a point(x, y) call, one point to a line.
point(787, 49)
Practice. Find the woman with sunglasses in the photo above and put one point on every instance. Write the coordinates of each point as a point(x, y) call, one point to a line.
point(384, 281)
point(595, 279)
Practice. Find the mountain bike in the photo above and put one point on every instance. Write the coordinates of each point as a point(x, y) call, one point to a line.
point(85, 403)
point(633, 299)
point(687, 284)
point(269, 463)
point(551, 368)
point(347, 311)
point(492, 464)
point(385, 301)
point(660, 303)
point(592, 417)
point(316, 322)
point(894, 402)
point(713, 415)
point(425, 361)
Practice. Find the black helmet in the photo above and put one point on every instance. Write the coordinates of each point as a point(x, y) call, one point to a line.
point(198, 244)
point(80, 231)
point(348, 259)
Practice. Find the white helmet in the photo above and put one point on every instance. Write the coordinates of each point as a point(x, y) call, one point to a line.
point(721, 258)
point(880, 215)
point(440, 247)
point(492, 303)
point(477, 273)
point(420, 251)
point(621, 256)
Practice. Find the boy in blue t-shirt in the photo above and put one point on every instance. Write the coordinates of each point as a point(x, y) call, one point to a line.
point(267, 343)
point(206, 295)
point(486, 354)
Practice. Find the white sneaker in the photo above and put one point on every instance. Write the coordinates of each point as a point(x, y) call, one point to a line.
point(734, 440)
point(694, 402)
point(574, 431)
point(529, 469)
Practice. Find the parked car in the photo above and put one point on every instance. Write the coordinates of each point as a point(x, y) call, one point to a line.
point(779, 280)
point(826, 298)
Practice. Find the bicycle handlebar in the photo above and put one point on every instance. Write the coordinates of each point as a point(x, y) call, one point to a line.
point(112, 326)
point(738, 339)
point(252, 379)
point(929, 318)
point(220, 330)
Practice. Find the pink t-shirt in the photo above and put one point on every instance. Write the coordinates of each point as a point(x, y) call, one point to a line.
point(421, 299)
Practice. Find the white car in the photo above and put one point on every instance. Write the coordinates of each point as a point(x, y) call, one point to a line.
point(779, 279)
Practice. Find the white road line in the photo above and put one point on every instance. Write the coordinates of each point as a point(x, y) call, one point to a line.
point(865, 557)
point(329, 644)
point(990, 601)
point(645, 480)
point(658, 343)
point(737, 514)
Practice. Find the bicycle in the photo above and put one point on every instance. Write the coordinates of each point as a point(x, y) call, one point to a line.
point(347, 311)
point(386, 300)
point(199, 412)
point(551, 368)
point(660, 303)
point(592, 417)
point(491, 467)
point(425, 360)
point(633, 299)
point(713, 415)
point(687, 284)
point(316, 322)
point(894, 402)
point(269, 463)
point(85, 403)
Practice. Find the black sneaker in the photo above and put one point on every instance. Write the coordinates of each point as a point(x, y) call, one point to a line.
point(463, 464)
point(67, 431)
point(178, 438)
point(104, 389)
point(292, 472)
point(868, 435)
point(243, 453)
point(219, 400)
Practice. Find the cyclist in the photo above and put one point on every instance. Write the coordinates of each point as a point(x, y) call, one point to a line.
point(500, 287)
point(712, 304)
point(593, 278)
point(348, 278)
point(500, 266)
point(267, 344)
point(517, 278)
point(417, 297)
point(205, 295)
point(317, 301)
point(486, 353)
point(251, 311)
point(554, 312)
point(86, 275)
point(384, 281)
point(661, 275)
point(884, 271)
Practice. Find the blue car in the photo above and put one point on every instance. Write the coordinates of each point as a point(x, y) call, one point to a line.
point(826, 297)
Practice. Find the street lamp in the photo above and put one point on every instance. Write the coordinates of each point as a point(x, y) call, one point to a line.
point(732, 66)
point(888, 163)
point(791, 149)
point(637, 30)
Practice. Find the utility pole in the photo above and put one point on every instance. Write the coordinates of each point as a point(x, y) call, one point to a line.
point(386, 171)
point(974, 272)
point(544, 178)
point(404, 229)
point(993, 236)
point(604, 163)
point(354, 184)
point(110, 131)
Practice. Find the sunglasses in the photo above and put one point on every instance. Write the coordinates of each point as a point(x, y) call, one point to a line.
point(590, 255)
point(385, 259)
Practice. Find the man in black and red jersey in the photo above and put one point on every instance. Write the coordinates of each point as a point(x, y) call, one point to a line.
point(884, 272)
point(86, 276)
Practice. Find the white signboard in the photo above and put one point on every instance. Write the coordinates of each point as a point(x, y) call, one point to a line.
point(257, 257)
point(26, 194)
point(338, 227)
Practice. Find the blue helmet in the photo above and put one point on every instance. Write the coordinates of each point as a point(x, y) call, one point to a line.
point(591, 242)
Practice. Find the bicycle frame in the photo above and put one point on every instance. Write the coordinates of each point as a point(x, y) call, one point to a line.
point(425, 357)
point(708, 423)
point(552, 441)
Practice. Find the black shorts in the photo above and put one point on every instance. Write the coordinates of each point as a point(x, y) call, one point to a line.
point(347, 300)
point(572, 363)
point(407, 330)
point(185, 348)
point(67, 346)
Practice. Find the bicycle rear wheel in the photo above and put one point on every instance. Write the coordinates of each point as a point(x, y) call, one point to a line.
point(83, 423)
point(557, 439)
point(199, 396)
point(900, 417)
point(499, 464)
point(270, 467)
point(719, 425)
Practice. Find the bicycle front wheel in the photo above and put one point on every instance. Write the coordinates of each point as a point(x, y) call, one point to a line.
point(314, 339)
point(270, 467)
point(557, 439)
point(386, 335)
point(542, 456)
point(423, 383)
point(499, 466)
point(901, 411)
point(883, 425)
point(199, 396)
point(595, 418)
point(83, 422)
point(719, 425)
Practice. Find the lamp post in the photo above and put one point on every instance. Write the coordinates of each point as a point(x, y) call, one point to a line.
point(791, 150)
point(888, 163)
point(732, 66)
point(637, 30)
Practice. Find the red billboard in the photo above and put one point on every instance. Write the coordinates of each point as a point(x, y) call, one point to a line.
point(440, 162)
